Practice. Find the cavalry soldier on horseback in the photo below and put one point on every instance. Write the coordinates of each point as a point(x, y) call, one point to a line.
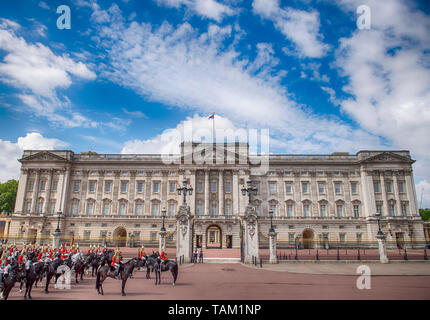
point(116, 263)
point(2, 268)
point(163, 257)
point(142, 252)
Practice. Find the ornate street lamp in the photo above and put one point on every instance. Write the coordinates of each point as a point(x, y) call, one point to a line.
point(248, 189)
point(272, 230)
point(184, 190)
point(59, 213)
point(378, 218)
point(163, 215)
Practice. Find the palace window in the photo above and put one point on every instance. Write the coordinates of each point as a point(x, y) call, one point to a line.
point(31, 185)
point(171, 209)
point(214, 210)
point(227, 186)
point(87, 235)
point(379, 208)
point(199, 186)
point(289, 210)
point(359, 238)
point(339, 209)
point(75, 208)
point(272, 187)
point(305, 187)
point(404, 209)
point(288, 187)
point(291, 237)
point(40, 206)
point(92, 186)
point(139, 186)
point(90, 208)
point(401, 190)
point(323, 209)
point(306, 210)
point(107, 186)
point(155, 186)
point(52, 207)
point(257, 210)
point(273, 208)
point(54, 185)
point(172, 187)
point(321, 187)
point(392, 212)
point(228, 209)
point(106, 207)
point(342, 237)
point(139, 209)
point(122, 208)
point(123, 186)
point(42, 185)
point(28, 207)
point(76, 186)
point(356, 211)
point(353, 187)
point(153, 236)
point(388, 186)
point(376, 187)
point(213, 187)
point(337, 187)
point(199, 209)
point(154, 209)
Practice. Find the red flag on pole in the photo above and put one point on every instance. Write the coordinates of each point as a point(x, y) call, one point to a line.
point(73, 240)
point(212, 116)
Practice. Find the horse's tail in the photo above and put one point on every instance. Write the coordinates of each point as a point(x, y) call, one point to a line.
point(98, 280)
point(175, 272)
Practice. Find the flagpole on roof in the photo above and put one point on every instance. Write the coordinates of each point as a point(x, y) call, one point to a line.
point(213, 127)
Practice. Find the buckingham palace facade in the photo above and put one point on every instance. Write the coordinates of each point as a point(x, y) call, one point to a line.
point(119, 199)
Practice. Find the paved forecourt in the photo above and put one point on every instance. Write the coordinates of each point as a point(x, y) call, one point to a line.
point(236, 281)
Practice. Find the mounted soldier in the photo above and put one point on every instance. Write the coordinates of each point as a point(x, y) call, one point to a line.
point(163, 258)
point(116, 263)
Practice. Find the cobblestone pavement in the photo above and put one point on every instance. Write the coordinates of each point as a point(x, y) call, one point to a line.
point(235, 281)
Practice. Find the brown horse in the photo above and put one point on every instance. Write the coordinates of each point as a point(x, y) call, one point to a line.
point(125, 271)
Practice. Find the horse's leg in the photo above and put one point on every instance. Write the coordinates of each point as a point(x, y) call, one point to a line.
point(29, 289)
point(48, 279)
point(123, 286)
point(148, 273)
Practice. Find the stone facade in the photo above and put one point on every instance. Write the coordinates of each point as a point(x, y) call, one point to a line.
point(318, 200)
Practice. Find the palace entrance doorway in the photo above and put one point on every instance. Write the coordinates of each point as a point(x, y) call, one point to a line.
point(308, 239)
point(213, 237)
point(120, 237)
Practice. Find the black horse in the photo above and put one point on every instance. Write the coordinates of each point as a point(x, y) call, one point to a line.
point(125, 271)
point(16, 274)
point(51, 271)
point(159, 267)
point(32, 275)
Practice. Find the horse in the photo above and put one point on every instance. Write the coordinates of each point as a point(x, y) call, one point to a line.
point(158, 267)
point(125, 271)
point(32, 275)
point(93, 261)
point(150, 263)
point(16, 274)
point(51, 271)
point(79, 265)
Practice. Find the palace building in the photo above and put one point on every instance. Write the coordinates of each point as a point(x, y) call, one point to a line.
point(119, 199)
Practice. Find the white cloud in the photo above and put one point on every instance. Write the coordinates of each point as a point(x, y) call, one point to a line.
point(196, 71)
point(44, 5)
point(210, 9)
point(11, 151)
point(300, 27)
point(134, 114)
point(389, 77)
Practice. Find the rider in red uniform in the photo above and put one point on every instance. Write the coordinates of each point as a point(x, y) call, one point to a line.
point(163, 257)
point(116, 263)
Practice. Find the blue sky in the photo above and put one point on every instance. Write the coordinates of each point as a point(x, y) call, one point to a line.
point(129, 70)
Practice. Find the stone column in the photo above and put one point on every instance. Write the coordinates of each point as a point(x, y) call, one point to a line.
point(272, 245)
point(35, 192)
point(384, 194)
point(410, 189)
point(382, 246)
point(161, 240)
point(131, 193)
point(250, 240)
point(236, 193)
point(207, 190)
point(99, 193)
point(148, 190)
point(368, 193)
point(56, 240)
point(397, 195)
point(65, 191)
point(184, 236)
point(47, 193)
point(192, 198)
point(22, 191)
point(221, 192)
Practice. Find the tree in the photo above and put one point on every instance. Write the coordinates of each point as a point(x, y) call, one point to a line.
point(425, 214)
point(8, 195)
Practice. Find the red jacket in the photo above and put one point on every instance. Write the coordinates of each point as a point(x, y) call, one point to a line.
point(114, 260)
point(20, 259)
point(39, 256)
point(162, 256)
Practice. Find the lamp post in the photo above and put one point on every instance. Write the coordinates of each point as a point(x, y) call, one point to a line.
point(162, 233)
point(271, 230)
point(248, 189)
point(57, 232)
point(380, 236)
point(184, 190)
